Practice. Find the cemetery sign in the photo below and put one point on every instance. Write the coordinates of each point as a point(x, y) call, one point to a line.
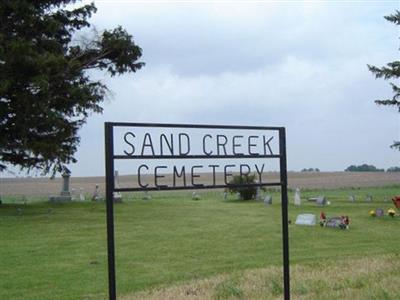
point(182, 157)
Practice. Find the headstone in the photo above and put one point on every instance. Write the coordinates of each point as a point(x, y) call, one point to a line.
point(73, 194)
point(146, 196)
point(297, 198)
point(117, 197)
point(65, 194)
point(352, 198)
point(334, 222)
point(368, 198)
point(195, 196)
point(338, 222)
point(268, 200)
point(306, 219)
point(379, 212)
point(225, 195)
point(258, 194)
point(321, 201)
point(81, 195)
point(96, 194)
point(238, 196)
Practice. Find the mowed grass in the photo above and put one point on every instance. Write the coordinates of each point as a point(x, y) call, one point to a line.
point(59, 251)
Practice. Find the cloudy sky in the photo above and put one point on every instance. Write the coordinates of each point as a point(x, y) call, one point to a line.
point(301, 65)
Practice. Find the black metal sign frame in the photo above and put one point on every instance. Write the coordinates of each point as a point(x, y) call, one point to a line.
point(110, 185)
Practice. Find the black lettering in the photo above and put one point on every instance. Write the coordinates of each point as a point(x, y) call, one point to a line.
point(139, 176)
point(181, 174)
point(195, 175)
point(235, 145)
point(204, 145)
point(213, 167)
point(226, 174)
point(250, 145)
point(221, 143)
point(148, 143)
point(170, 144)
point(187, 144)
point(130, 144)
point(156, 176)
point(266, 143)
point(241, 169)
point(259, 172)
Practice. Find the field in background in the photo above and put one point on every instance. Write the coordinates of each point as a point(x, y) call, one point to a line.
point(58, 251)
point(44, 187)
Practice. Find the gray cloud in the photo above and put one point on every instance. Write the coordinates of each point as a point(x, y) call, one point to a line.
point(302, 66)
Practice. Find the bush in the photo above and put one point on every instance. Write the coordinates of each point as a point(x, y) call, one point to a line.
point(248, 192)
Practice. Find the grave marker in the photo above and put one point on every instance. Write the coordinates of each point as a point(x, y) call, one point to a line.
point(268, 200)
point(306, 219)
point(297, 197)
point(65, 195)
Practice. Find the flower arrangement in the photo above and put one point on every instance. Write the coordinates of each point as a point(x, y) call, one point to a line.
point(372, 213)
point(391, 212)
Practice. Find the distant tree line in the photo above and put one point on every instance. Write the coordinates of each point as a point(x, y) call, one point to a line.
point(370, 168)
point(393, 169)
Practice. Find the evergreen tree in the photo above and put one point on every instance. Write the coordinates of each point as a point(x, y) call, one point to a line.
point(46, 93)
point(390, 71)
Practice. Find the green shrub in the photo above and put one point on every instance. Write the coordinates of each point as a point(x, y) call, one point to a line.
point(247, 192)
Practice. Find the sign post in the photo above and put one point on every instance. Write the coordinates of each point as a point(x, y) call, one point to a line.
point(147, 142)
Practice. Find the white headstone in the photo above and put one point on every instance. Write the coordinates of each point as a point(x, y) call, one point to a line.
point(306, 219)
point(297, 197)
point(81, 195)
point(73, 194)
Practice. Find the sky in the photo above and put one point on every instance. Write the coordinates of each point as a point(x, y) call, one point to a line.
point(301, 65)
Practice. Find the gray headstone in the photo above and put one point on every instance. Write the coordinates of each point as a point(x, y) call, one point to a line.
point(333, 222)
point(96, 193)
point(268, 200)
point(146, 196)
point(65, 189)
point(306, 219)
point(258, 194)
point(225, 195)
point(117, 196)
point(65, 194)
point(320, 201)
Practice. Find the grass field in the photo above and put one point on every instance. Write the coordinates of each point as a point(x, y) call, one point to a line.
point(228, 249)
